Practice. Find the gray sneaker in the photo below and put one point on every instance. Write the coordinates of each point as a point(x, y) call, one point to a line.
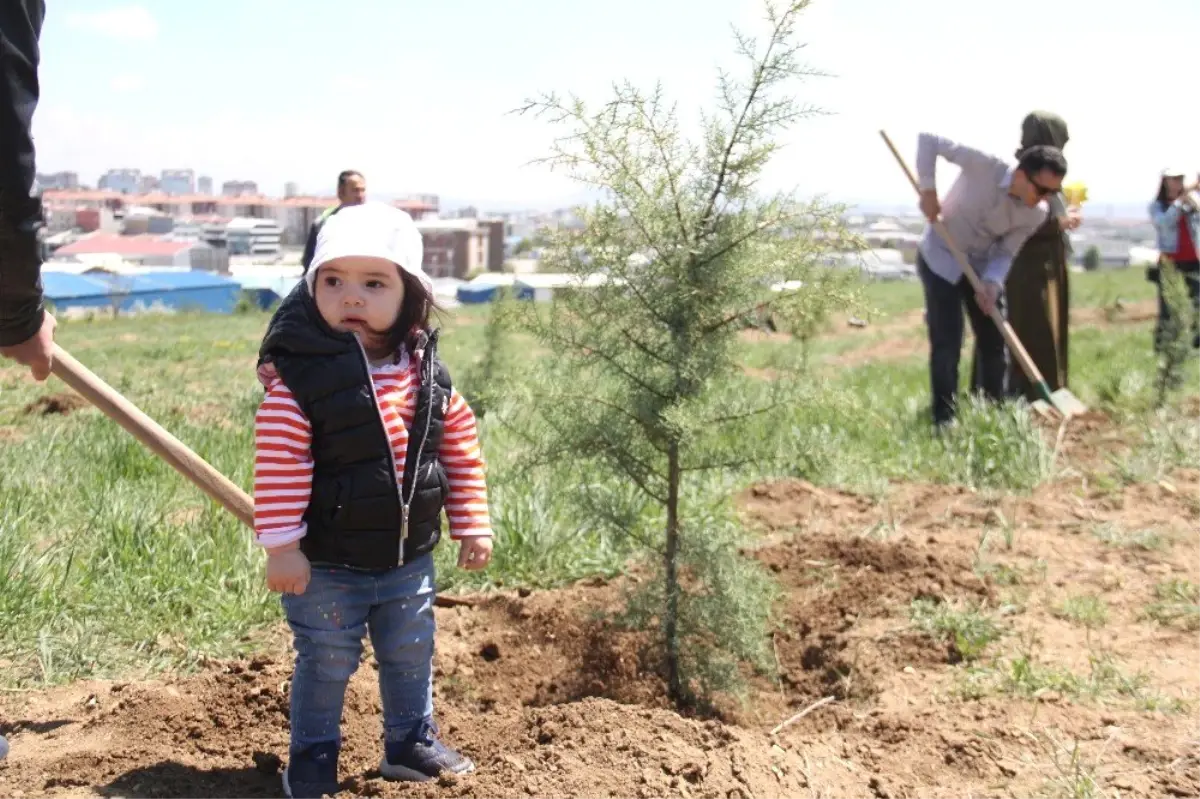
point(312, 773)
point(422, 757)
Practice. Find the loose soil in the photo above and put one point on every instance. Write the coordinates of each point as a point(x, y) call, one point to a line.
point(55, 404)
point(552, 699)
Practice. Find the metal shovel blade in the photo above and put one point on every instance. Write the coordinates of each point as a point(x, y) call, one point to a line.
point(1067, 403)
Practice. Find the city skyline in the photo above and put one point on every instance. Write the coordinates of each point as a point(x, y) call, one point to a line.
point(300, 101)
point(1128, 211)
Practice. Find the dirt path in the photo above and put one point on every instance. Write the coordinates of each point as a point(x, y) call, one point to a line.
point(901, 336)
point(1119, 314)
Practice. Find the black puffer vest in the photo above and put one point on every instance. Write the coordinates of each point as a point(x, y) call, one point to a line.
point(359, 516)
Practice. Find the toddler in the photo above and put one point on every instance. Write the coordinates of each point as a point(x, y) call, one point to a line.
point(360, 443)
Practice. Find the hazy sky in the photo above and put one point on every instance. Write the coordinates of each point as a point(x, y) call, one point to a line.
point(416, 94)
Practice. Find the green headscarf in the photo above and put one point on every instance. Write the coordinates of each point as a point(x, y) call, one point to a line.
point(1043, 127)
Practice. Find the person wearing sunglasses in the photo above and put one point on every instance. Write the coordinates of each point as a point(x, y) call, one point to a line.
point(990, 211)
point(1175, 214)
point(1036, 292)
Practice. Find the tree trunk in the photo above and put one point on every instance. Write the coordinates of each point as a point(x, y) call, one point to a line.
point(670, 563)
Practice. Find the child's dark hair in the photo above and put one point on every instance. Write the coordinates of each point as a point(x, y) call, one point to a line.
point(419, 303)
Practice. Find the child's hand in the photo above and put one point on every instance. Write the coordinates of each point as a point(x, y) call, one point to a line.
point(474, 552)
point(266, 374)
point(288, 569)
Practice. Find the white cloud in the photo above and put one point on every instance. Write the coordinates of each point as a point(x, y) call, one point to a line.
point(127, 83)
point(125, 22)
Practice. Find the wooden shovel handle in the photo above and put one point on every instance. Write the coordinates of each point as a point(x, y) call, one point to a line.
point(171, 449)
point(1014, 344)
point(150, 433)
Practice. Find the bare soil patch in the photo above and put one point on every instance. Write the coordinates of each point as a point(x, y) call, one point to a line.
point(49, 404)
point(553, 699)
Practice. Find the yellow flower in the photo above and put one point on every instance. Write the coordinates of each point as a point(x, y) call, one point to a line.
point(1076, 193)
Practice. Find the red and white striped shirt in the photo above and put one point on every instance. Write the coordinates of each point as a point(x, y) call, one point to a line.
point(283, 465)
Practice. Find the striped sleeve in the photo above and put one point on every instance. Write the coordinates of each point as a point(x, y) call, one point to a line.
point(283, 468)
point(467, 503)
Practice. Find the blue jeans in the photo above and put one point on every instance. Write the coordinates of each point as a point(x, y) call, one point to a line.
point(329, 621)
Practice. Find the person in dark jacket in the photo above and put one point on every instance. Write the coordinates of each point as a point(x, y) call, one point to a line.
point(361, 443)
point(351, 190)
point(26, 329)
point(1037, 287)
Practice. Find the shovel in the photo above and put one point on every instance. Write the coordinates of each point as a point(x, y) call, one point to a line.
point(167, 446)
point(1066, 403)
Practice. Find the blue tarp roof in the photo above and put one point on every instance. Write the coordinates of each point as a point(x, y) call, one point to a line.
point(64, 285)
point(470, 294)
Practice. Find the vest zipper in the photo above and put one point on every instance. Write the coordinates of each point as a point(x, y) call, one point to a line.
point(426, 366)
point(391, 453)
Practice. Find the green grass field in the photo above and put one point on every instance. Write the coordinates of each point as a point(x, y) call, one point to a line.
point(112, 564)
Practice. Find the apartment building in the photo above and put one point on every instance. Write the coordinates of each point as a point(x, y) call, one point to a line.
point(68, 181)
point(254, 236)
point(238, 188)
point(458, 247)
point(178, 181)
point(122, 181)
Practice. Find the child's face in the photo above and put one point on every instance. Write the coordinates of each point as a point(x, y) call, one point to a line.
point(361, 295)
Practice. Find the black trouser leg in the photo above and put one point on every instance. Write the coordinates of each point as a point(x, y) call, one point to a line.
point(991, 355)
point(944, 319)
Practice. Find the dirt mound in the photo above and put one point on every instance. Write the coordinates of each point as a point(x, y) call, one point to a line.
point(844, 630)
point(835, 587)
point(551, 698)
point(55, 403)
point(542, 689)
point(222, 734)
point(484, 654)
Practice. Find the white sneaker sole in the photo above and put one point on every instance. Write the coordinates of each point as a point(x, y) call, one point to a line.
point(404, 774)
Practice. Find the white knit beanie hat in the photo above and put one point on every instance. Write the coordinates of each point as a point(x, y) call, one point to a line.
point(371, 229)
